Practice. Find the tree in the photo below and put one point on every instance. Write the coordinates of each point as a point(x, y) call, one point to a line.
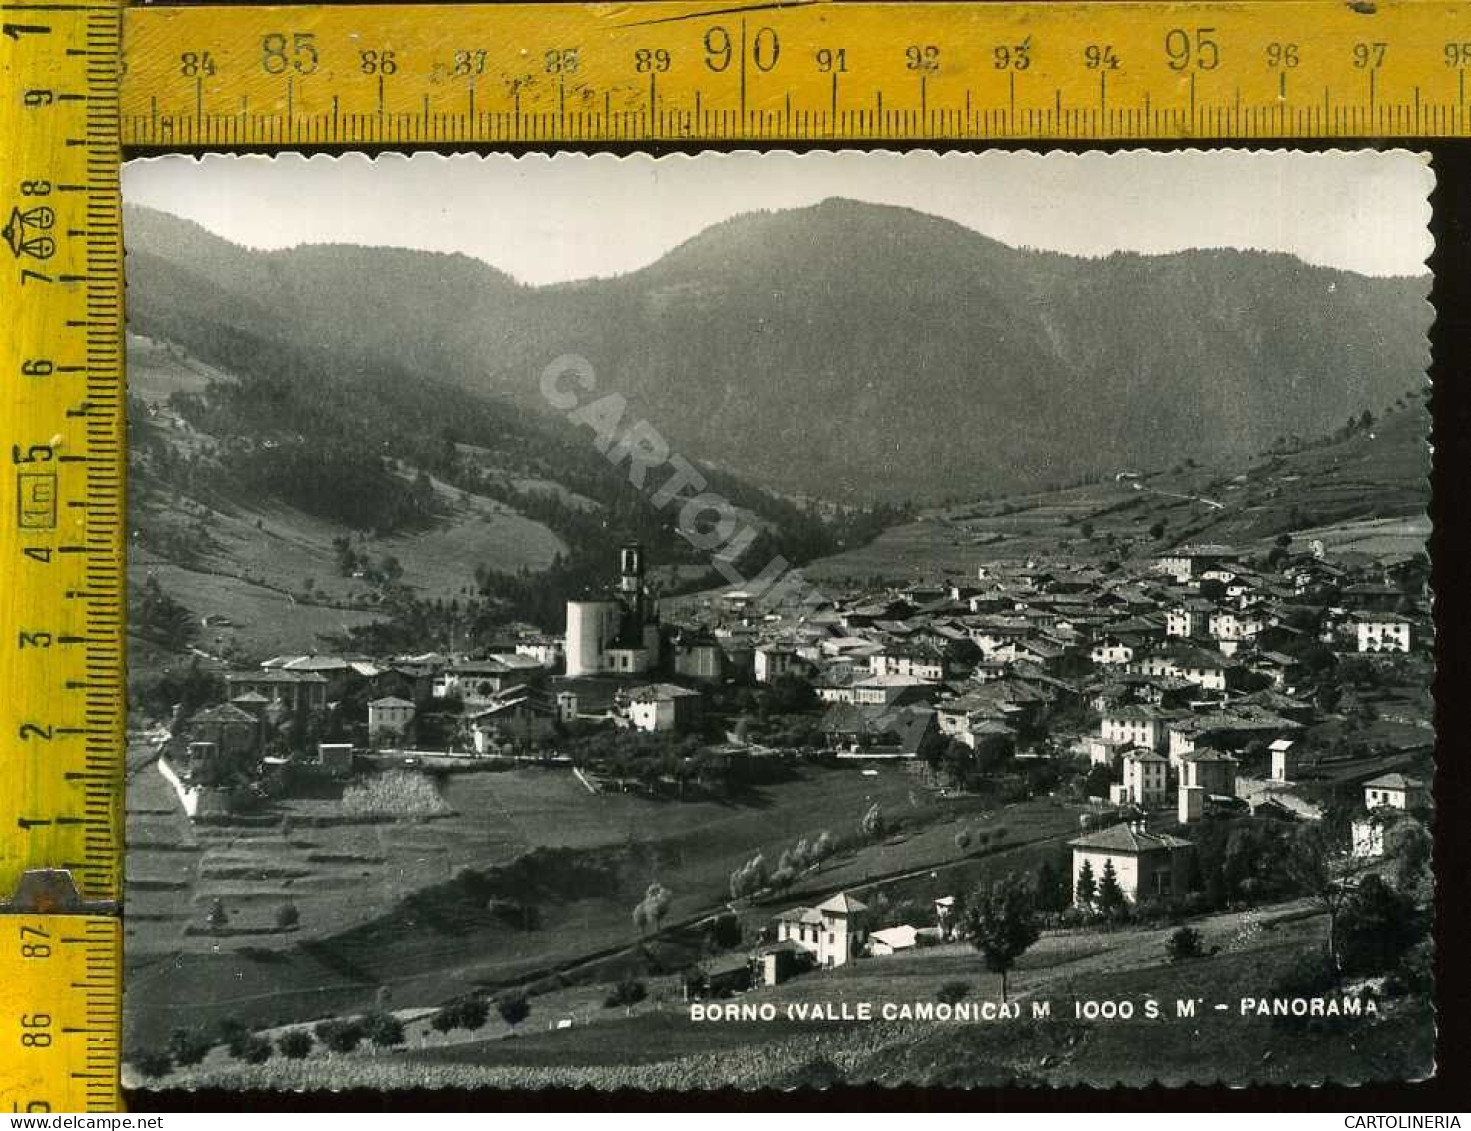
point(1409, 849)
point(872, 826)
point(255, 1049)
point(952, 992)
point(788, 694)
point(295, 1045)
point(287, 916)
point(1099, 778)
point(751, 877)
point(627, 993)
point(963, 840)
point(1001, 922)
point(1312, 865)
point(650, 910)
point(339, 1034)
point(1052, 887)
point(1086, 890)
point(160, 618)
point(513, 1009)
point(1378, 927)
point(1183, 944)
point(1112, 903)
point(218, 916)
point(187, 1048)
point(474, 1012)
point(233, 1035)
point(383, 1030)
point(445, 1019)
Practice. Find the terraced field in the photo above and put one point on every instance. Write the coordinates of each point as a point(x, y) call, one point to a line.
point(385, 904)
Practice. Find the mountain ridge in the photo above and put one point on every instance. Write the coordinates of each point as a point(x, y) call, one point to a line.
point(856, 351)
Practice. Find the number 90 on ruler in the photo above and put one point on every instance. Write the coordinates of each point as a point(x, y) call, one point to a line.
point(675, 70)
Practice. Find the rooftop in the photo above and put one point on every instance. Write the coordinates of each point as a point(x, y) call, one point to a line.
point(842, 904)
point(1394, 781)
point(1130, 839)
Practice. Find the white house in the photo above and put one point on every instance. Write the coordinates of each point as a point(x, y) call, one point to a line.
point(1187, 562)
point(1146, 864)
point(1367, 837)
point(1229, 625)
point(883, 690)
point(1108, 650)
point(1395, 791)
point(1138, 726)
point(663, 707)
point(1188, 619)
point(1104, 751)
point(845, 930)
point(912, 663)
point(545, 650)
point(1144, 774)
point(1382, 632)
point(835, 931)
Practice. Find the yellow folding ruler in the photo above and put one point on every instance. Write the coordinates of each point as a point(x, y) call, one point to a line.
point(80, 81)
point(61, 544)
point(764, 72)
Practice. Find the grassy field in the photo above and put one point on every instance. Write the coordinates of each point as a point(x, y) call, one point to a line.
point(157, 370)
point(257, 572)
point(661, 1046)
point(387, 904)
point(261, 556)
point(1363, 494)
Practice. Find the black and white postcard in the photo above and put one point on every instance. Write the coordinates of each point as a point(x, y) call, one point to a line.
point(779, 621)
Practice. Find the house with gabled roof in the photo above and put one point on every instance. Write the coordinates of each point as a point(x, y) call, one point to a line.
point(1185, 563)
point(224, 728)
point(295, 690)
point(663, 707)
point(1145, 776)
point(1138, 724)
point(834, 932)
point(1147, 865)
point(880, 732)
point(520, 715)
point(389, 715)
point(1397, 791)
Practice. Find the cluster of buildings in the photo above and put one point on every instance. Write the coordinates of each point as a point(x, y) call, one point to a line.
point(1187, 661)
point(1170, 672)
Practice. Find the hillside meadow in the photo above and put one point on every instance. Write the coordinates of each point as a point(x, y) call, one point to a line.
point(422, 907)
point(661, 1047)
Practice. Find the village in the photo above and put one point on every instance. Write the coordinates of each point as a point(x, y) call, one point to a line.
point(1204, 683)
